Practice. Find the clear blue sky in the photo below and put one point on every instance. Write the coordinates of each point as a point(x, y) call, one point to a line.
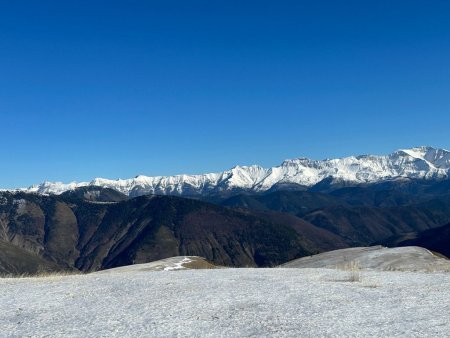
point(119, 88)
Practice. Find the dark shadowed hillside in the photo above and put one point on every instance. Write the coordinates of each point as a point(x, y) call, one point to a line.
point(14, 260)
point(293, 202)
point(364, 214)
point(364, 225)
point(437, 239)
point(72, 232)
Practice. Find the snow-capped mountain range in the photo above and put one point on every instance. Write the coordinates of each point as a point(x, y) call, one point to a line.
point(418, 163)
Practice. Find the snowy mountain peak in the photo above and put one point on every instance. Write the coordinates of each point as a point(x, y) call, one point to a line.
point(418, 162)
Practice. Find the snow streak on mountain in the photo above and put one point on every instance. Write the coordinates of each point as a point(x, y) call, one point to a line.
point(418, 163)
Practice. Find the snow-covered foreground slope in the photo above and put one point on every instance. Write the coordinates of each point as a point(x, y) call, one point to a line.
point(227, 303)
point(410, 258)
point(418, 163)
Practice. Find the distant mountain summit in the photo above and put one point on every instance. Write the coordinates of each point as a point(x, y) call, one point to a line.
point(414, 163)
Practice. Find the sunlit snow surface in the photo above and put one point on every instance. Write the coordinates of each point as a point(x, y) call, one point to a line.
point(410, 258)
point(274, 302)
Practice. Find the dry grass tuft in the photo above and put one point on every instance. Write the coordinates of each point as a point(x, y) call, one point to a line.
point(43, 274)
point(354, 272)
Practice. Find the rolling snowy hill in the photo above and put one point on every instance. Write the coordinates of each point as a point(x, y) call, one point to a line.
point(417, 163)
point(410, 258)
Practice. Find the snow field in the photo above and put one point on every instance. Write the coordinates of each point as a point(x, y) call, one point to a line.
point(278, 302)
